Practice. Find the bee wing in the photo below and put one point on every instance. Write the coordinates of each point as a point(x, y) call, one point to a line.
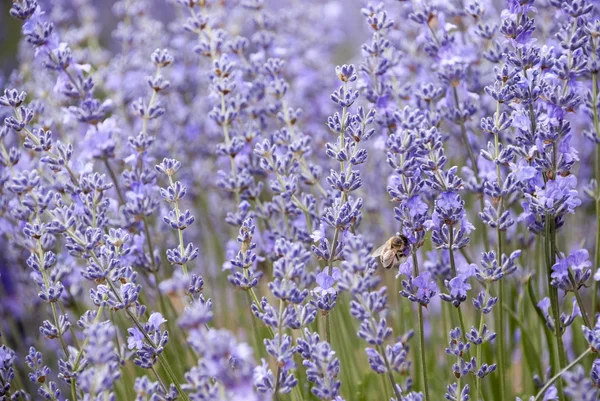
point(387, 258)
point(379, 251)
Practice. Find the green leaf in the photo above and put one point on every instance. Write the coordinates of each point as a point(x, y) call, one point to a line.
point(368, 385)
point(545, 329)
point(532, 356)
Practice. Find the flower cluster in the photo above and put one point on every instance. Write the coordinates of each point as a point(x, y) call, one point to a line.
point(197, 198)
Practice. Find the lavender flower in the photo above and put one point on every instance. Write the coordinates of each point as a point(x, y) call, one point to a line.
point(575, 265)
point(419, 289)
point(197, 223)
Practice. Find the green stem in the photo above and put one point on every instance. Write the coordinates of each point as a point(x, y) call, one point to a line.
point(421, 336)
point(337, 231)
point(389, 372)
point(500, 330)
point(160, 381)
point(255, 299)
point(596, 286)
point(153, 98)
point(465, 137)
point(451, 251)
point(550, 244)
point(231, 157)
point(257, 336)
point(329, 272)
point(536, 365)
point(597, 177)
point(85, 342)
point(458, 384)
point(150, 246)
point(73, 389)
point(549, 383)
point(63, 344)
point(60, 334)
point(584, 315)
point(115, 181)
point(276, 394)
point(385, 387)
point(479, 347)
point(475, 168)
point(163, 362)
point(179, 232)
point(279, 333)
point(453, 269)
point(531, 109)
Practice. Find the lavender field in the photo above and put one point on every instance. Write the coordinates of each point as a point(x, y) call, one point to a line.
point(300, 200)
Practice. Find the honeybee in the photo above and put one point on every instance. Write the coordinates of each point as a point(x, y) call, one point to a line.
point(395, 249)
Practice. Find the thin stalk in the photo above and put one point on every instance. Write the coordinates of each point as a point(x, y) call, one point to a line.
point(179, 232)
point(60, 334)
point(252, 293)
point(115, 181)
point(51, 154)
point(562, 355)
point(465, 255)
point(73, 389)
point(385, 387)
point(299, 158)
point(531, 109)
point(500, 330)
point(164, 363)
point(458, 383)
point(597, 177)
point(479, 347)
point(85, 342)
point(161, 358)
point(453, 269)
point(151, 103)
point(231, 157)
point(389, 372)
point(461, 320)
point(342, 200)
point(451, 251)
point(465, 137)
point(255, 299)
point(279, 333)
point(421, 337)
point(596, 286)
point(150, 246)
point(580, 303)
point(276, 394)
point(63, 344)
point(343, 130)
point(295, 199)
point(71, 329)
point(52, 397)
point(527, 341)
point(329, 272)
point(422, 352)
point(160, 381)
point(500, 311)
point(562, 359)
point(214, 56)
point(257, 336)
point(549, 383)
point(570, 55)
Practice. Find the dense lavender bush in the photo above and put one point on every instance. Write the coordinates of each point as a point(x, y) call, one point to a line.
point(193, 194)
